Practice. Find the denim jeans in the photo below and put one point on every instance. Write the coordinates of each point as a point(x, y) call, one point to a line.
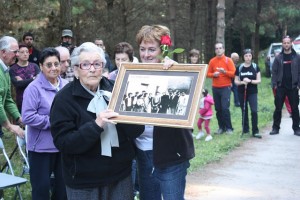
point(234, 89)
point(157, 183)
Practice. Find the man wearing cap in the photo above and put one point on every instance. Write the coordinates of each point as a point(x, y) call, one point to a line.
point(34, 53)
point(66, 37)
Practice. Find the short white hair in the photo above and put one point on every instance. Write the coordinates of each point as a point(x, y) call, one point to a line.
point(62, 50)
point(5, 42)
point(86, 47)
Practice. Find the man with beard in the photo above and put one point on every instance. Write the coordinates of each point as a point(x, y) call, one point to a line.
point(286, 82)
point(34, 53)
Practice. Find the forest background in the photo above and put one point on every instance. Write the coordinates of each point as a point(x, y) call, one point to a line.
point(193, 23)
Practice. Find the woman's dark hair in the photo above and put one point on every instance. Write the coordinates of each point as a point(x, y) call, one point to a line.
point(22, 45)
point(124, 47)
point(48, 52)
point(204, 92)
point(246, 51)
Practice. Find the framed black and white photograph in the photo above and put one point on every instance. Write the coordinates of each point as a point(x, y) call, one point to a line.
point(148, 94)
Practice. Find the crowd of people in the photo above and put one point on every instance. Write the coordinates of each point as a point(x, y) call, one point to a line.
point(62, 95)
point(171, 101)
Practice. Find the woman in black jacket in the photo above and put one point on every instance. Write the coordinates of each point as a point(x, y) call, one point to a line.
point(96, 154)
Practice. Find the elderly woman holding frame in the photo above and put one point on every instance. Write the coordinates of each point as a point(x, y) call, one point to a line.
point(97, 154)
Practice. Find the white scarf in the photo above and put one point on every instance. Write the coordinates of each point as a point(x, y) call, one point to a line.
point(109, 137)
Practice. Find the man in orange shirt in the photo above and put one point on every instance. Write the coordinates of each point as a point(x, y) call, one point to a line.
point(221, 69)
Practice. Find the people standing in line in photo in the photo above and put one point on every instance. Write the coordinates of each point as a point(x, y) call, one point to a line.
point(22, 73)
point(235, 58)
point(34, 53)
point(129, 102)
point(164, 103)
point(155, 102)
point(147, 103)
point(206, 114)
point(123, 52)
point(286, 82)
point(97, 154)
point(44, 158)
point(163, 153)
point(182, 103)
point(247, 77)
point(221, 69)
point(194, 56)
point(67, 71)
point(173, 101)
point(9, 50)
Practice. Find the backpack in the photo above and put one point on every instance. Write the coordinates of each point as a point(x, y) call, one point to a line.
point(241, 67)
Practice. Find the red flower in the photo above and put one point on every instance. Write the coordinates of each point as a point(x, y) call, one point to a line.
point(166, 40)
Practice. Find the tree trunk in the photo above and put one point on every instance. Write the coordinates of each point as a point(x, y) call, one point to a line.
point(231, 28)
point(66, 14)
point(257, 26)
point(172, 22)
point(192, 23)
point(209, 46)
point(220, 37)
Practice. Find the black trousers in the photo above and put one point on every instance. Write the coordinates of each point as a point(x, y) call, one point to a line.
point(252, 100)
point(222, 104)
point(293, 97)
point(41, 167)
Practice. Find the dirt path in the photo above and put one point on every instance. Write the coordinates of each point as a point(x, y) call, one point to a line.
point(266, 169)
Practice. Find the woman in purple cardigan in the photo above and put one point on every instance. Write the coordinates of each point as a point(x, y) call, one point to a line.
point(44, 157)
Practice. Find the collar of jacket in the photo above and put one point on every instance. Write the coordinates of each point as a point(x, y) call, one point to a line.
point(45, 83)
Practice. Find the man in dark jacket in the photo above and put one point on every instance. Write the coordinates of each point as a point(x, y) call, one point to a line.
point(286, 81)
point(34, 53)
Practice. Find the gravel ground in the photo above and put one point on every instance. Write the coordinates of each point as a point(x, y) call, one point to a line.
point(260, 169)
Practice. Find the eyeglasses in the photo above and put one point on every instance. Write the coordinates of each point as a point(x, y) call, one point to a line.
point(49, 64)
point(14, 51)
point(87, 65)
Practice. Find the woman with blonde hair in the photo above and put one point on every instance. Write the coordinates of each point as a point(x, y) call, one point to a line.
point(163, 153)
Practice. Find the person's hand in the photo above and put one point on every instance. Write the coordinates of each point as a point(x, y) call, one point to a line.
point(247, 80)
point(168, 62)
point(18, 78)
point(216, 74)
point(221, 70)
point(104, 117)
point(16, 129)
point(20, 123)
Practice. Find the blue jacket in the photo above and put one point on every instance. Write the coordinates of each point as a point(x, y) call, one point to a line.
point(37, 101)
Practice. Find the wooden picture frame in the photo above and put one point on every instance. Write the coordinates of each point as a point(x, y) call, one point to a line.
point(181, 82)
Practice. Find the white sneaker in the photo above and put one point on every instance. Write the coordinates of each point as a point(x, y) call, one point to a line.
point(200, 135)
point(208, 138)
